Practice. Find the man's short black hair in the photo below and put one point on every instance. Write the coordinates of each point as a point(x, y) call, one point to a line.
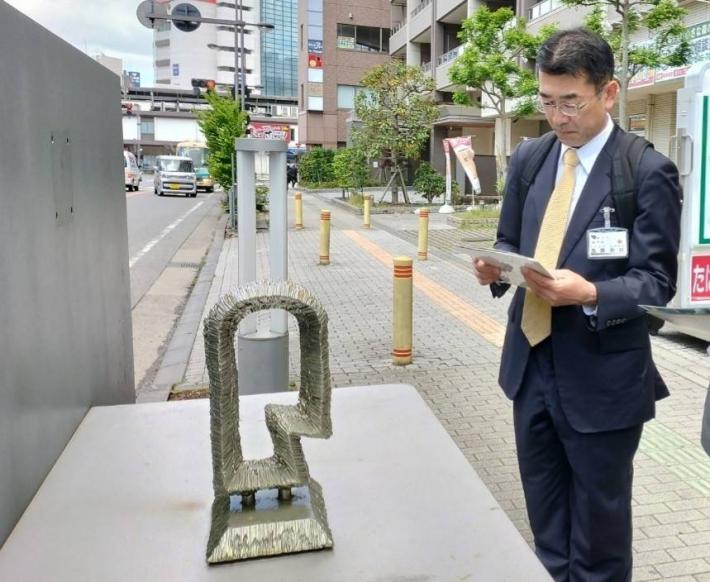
point(577, 52)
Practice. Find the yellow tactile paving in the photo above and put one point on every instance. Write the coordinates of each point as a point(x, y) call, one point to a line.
point(479, 322)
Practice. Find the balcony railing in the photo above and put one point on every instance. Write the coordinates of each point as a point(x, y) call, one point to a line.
point(426, 67)
point(420, 7)
point(542, 8)
point(397, 27)
point(452, 55)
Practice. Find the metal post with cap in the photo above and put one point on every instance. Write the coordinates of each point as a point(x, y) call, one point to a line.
point(262, 347)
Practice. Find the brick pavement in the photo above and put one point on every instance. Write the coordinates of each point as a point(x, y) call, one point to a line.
point(455, 369)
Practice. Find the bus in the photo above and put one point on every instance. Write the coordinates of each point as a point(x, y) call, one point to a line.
point(198, 152)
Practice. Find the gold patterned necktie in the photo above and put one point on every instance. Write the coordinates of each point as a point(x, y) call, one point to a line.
point(537, 314)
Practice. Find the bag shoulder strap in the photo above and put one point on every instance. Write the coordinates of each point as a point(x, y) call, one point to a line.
point(539, 148)
point(624, 178)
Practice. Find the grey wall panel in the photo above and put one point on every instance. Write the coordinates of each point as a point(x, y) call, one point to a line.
point(65, 327)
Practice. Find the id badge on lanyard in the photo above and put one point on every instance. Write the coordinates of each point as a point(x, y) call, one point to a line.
point(608, 242)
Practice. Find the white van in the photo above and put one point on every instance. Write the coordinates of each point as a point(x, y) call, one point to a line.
point(175, 174)
point(131, 171)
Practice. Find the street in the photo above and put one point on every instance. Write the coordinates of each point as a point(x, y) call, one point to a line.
point(168, 237)
point(157, 226)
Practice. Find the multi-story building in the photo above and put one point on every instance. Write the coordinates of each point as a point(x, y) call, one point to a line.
point(339, 40)
point(209, 51)
point(651, 104)
point(425, 34)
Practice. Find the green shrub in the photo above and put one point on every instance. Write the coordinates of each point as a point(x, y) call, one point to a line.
point(316, 166)
point(262, 198)
point(350, 168)
point(428, 182)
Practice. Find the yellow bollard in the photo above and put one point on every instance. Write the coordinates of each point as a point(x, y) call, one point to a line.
point(423, 248)
point(402, 316)
point(325, 237)
point(298, 203)
point(366, 201)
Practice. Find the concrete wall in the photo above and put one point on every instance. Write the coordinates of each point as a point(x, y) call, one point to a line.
point(65, 327)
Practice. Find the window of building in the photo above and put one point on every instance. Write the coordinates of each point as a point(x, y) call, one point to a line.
point(367, 39)
point(315, 75)
point(147, 126)
point(346, 95)
point(315, 103)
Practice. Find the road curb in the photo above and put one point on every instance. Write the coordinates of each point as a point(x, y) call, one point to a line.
point(177, 355)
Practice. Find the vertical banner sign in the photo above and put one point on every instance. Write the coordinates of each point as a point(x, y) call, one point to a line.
point(465, 154)
point(700, 278)
point(447, 149)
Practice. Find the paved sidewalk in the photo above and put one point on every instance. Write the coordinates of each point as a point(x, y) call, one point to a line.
point(457, 337)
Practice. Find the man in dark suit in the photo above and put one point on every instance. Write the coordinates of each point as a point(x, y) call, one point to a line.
point(577, 357)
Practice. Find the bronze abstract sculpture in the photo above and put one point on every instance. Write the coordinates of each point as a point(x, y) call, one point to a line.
point(268, 506)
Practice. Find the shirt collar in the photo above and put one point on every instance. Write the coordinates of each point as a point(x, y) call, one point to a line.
point(590, 151)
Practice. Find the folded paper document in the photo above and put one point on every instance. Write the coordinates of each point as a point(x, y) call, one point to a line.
point(509, 263)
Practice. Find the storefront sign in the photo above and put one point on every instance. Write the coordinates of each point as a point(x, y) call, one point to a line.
point(270, 131)
point(315, 61)
point(699, 36)
point(700, 278)
point(315, 46)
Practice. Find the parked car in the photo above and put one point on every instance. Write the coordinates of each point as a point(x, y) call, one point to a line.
point(131, 171)
point(175, 174)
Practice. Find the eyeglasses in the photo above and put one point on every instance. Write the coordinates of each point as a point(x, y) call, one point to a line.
point(567, 109)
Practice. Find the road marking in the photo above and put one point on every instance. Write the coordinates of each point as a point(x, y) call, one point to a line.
point(162, 235)
point(478, 321)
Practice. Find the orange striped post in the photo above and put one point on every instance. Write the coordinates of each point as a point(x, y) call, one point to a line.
point(366, 204)
point(402, 312)
point(298, 204)
point(325, 237)
point(423, 246)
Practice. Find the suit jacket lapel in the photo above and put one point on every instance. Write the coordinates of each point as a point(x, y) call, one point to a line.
point(595, 191)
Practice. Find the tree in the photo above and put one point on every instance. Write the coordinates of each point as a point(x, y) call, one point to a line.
point(350, 168)
point(664, 20)
point(495, 61)
point(221, 124)
point(397, 112)
point(428, 182)
point(316, 167)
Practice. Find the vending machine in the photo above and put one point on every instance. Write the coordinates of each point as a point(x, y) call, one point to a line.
point(690, 149)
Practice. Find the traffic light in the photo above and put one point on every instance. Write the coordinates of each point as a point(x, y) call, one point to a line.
point(208, 84)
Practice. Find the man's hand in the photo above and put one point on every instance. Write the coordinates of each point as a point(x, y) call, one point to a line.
point(567, 287)
point(485, 272)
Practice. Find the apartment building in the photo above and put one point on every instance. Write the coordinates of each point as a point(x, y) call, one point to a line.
point(339, 40)
point(425, 34)
point(651, 107)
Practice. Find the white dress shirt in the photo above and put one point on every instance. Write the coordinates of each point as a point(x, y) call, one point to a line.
point(587, 155)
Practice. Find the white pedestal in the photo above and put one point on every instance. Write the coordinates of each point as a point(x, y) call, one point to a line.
point(130, 498)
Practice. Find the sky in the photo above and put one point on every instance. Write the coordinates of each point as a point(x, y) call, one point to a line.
point(97, 26)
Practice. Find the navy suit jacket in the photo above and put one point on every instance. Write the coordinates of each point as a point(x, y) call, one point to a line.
point(604, 372)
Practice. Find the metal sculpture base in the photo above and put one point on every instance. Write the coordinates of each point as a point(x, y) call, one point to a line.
point(270, 526)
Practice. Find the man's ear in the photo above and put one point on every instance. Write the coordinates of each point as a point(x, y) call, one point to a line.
point(610, 94)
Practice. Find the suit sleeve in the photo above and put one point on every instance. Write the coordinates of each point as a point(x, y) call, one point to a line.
point(652, 268)
point(508, 235)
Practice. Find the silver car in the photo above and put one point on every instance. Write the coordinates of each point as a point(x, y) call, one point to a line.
point(174, 175)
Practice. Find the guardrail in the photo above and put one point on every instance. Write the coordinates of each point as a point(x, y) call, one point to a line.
point(450, 56)
point(420, 7)
point(541, 8)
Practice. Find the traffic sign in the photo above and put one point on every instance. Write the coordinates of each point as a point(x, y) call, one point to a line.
point(153, 9)
point(186, 10)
